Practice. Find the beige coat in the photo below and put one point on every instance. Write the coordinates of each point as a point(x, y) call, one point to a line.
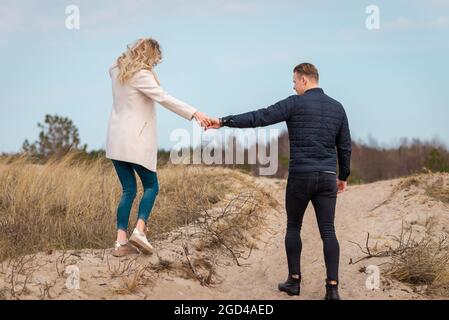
point(132, 132)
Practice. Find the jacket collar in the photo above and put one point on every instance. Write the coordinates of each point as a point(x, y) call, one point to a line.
point(315, 90)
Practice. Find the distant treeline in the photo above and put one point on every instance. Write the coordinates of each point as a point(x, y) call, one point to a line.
point(369, 162)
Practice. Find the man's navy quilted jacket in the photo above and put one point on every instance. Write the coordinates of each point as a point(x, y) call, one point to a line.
point(317, 127)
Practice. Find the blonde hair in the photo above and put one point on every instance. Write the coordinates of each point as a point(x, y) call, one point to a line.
point(145, 53)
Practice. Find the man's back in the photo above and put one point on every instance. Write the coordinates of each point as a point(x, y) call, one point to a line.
point(317, 125)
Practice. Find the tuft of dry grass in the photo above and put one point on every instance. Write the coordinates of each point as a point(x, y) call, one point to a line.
point(439, 190)
point(136, 276)
point(423, 262)
point(406, 184)
point(71, 203)
point(21, 272)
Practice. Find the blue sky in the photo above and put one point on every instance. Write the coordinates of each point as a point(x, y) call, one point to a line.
point(227, 57)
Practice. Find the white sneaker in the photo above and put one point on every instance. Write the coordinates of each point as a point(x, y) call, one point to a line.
point(140, 241)
point(121, 250)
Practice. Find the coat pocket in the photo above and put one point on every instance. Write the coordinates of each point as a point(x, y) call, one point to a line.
point(143, 127)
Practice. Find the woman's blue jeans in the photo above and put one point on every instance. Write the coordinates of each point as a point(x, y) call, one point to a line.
point(125, 172)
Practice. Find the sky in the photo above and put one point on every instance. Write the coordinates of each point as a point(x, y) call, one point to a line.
point(227, 57)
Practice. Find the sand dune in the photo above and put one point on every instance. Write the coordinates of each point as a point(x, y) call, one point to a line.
point(379, 208)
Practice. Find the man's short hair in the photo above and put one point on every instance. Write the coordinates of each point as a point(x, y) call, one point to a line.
point(307, 69)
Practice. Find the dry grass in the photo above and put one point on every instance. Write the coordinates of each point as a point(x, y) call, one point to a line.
point(233, 229)
point(20, 275)
point(71, 203)
point(421, 261)
point(184, 193)
point(133, 275)
point(433, 185)
point(406, 184)
point(438, 190)
point(403, 185)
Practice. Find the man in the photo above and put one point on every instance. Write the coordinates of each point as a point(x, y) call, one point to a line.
point(319, 133)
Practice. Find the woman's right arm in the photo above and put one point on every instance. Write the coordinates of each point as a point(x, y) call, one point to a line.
point(145, 82)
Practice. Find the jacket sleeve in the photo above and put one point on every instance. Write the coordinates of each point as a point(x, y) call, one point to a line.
point(275, 113)
point(344, 149)
point(145, 82)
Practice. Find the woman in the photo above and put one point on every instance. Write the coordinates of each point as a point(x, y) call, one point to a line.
point(131, 141)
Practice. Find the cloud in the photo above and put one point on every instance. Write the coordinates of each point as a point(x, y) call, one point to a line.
point(440, 23)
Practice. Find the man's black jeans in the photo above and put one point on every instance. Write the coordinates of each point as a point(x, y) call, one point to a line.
point(321, 189)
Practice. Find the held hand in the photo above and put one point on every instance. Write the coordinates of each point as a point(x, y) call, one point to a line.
point(202, 119)
point(341, 185)
point(215, 124)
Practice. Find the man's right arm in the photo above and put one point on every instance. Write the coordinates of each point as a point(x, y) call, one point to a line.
point(344, 149)
point(275, 113)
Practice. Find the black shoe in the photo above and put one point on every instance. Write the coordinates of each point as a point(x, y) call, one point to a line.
point(291, 286)
point(331, 291)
